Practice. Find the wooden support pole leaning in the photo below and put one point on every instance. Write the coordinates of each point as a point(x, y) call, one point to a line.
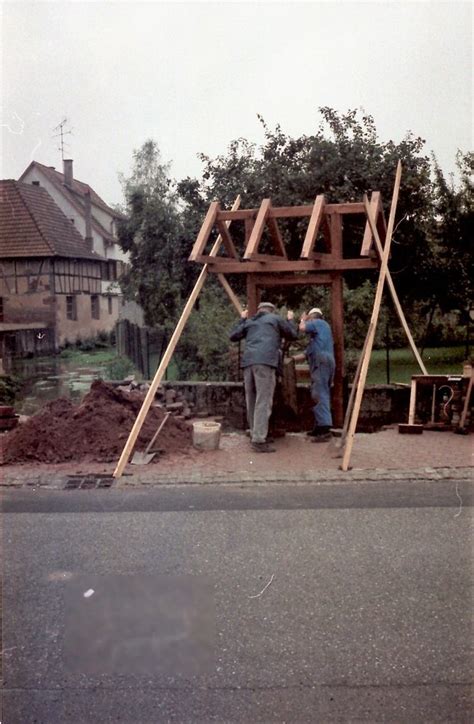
point(393, 292)
point(230, 293)
point(150, 396)
point(373, 322)
point(355, 384)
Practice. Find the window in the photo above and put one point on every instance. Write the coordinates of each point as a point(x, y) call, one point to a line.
point(1, 309)
point(95, 309)
point(109, 271)
point(35, 183)
point(109, 302)
point(71, 308)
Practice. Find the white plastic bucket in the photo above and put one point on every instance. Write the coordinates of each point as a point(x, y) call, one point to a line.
point(206, 435)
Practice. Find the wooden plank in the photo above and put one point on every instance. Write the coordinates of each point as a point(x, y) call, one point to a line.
point(411, 409)
point(204, 232)
point(313, 227)
point(467, 402)
point(335, 228)
point(256, 235)
point(150, 396)
point(253, 295)
point(323, 264)
point(228, 289)
point(277, 238)
point(289, 212)
point(373, 322)
point(281, 280)
point(227, 239)
point(368, 239)
point(394, 294)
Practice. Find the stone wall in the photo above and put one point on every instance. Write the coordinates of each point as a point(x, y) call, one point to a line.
point(381, 405)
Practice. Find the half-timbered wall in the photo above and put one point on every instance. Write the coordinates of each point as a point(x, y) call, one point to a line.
point(39, 292)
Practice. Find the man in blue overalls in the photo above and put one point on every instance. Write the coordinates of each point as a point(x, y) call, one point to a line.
point(320, 356)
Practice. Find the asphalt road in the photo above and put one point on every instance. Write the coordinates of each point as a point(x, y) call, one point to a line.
point(266, 603)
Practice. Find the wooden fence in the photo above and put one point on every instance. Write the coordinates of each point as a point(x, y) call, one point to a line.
point(143, 345)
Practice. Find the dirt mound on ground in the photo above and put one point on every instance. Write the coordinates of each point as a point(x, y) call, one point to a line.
point(97, 429)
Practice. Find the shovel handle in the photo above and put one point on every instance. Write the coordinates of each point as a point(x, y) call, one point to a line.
point(157, 432)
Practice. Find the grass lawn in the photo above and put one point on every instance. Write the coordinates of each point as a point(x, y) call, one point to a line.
point(93, 357)
point(438, 361)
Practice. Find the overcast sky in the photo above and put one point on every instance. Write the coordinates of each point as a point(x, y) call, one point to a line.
point(193, 76)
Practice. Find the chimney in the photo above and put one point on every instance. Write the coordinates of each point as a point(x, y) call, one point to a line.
point(88, 217)
point(67, 170)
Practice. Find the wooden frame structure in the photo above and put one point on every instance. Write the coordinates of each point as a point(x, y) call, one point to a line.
point(313, 266)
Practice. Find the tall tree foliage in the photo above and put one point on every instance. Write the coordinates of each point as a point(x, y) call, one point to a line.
point(453, 276)
point(343, 159)
point(154, 235)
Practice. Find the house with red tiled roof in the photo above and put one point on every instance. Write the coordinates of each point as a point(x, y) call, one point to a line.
point(93, 218)
point(51, 279)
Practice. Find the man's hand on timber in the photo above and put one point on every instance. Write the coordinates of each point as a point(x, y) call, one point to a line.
point(290, 315)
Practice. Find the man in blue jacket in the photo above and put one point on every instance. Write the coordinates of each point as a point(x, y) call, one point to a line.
point(320, 356)
point(263, 334)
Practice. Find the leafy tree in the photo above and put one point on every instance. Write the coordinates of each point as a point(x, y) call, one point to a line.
point(343, 159)
point(154, 235)
point(453, 277)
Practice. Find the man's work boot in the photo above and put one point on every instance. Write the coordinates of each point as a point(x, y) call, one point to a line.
point(262, 447)
point(323, 435)
point(315, 431)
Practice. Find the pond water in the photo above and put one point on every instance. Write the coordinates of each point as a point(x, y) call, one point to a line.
point(48, 378)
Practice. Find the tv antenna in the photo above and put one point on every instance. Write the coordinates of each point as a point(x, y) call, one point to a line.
point(61, 128)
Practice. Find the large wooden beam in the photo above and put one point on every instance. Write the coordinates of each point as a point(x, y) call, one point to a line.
point(230, 293)
point(253, 243)
point(204, 232)
point(289, 212)
point(324, 263)
point(150, 396)
point(277, 238)
point(313, 228)
point(227, 239)
point(283, 280)
point(373, 322)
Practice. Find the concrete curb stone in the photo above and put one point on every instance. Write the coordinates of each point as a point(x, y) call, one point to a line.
point(57, 481)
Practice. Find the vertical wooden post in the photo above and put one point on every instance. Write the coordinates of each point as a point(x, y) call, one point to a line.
point(252, 295)
point(337, 323)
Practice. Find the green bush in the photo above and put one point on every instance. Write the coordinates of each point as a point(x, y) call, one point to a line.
point(118, 368)
point(9, 387)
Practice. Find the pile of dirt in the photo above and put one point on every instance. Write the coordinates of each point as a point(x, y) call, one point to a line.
point(97, 429)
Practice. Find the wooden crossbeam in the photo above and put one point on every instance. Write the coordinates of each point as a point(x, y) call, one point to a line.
point(230, 293)
point(205, 231)
point(376, 212)
point(289, 212)
point(271, 264)
point(313, 227)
